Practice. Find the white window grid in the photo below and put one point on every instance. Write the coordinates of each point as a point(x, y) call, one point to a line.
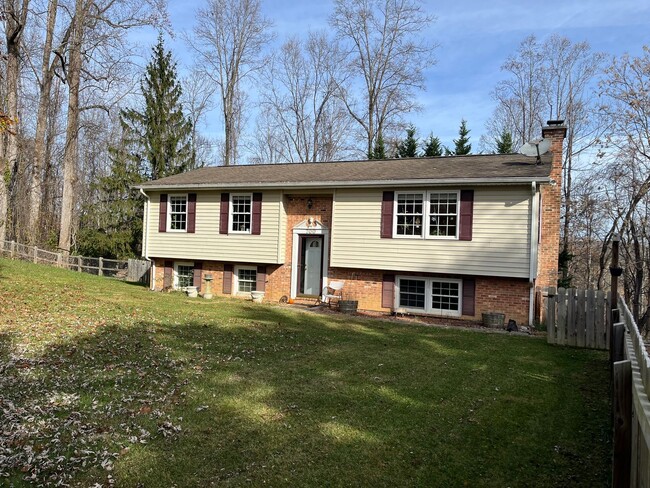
point(246, 279)
point(443, 214)
point(409, 214)
point(413, 210)
point(183, 275)
point(177, 214)
point(445, 296)
point(439, 296)
point(412, 293)
point(241, 213)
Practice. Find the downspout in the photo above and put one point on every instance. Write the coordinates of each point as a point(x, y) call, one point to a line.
point(145, 241)
point(534, 246)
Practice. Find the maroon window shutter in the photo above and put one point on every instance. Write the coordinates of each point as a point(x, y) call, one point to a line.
point(223, 213)
point(387, 214)
point(168, 279)
point(469, 293)
point(261, 278)
point(466, 214)
point(388, 291)
point(162, 213)
point(256, 226)
point(227, 279)
point(191, 213)
point(198, 267)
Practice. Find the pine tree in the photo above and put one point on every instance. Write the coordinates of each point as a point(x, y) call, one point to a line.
point(112, 226)
point(432, 146)
point(160, 130)
point(461, 145)
point(379, 150)
point(504, 143)
point(408, 148)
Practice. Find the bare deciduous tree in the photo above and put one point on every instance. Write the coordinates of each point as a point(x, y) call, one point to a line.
point(229, 37)
point(197, 102)
point(97, 27)
point(310, 123)
point(14, 16)
point(49, 62)
point(552, 80)
point(519, 98)
point(626, 113)
point(387, 56)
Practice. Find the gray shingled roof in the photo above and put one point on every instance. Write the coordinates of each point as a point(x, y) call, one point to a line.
point(475, 169)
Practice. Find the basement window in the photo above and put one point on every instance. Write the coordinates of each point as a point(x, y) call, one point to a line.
point(429, 295)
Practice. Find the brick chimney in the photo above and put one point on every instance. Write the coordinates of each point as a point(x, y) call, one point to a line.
point(549, 247)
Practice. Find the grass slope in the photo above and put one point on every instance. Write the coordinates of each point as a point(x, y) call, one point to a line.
point(106, 382)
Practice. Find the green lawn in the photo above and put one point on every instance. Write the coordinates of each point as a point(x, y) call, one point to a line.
point(106, 382)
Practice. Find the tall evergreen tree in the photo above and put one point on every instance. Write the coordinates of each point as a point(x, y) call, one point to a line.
point(160, 129)
point(432, 146)
point(504, 143)
point(462, 145)
point(112, 226)
point(379, 150)
point(408, 148)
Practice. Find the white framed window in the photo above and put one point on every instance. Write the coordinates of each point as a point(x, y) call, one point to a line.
point(426, 215)
point(443, 214)
point(241, 212)
point(183, 275)
point(439, 296)
point(409, 214)
point(177, 214)
point(245, 279)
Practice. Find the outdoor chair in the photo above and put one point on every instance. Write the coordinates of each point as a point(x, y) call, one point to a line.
point(333, 291)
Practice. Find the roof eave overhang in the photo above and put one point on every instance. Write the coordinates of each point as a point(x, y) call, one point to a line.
point(351, 184)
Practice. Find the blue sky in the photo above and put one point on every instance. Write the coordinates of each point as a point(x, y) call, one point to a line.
point(474, 38)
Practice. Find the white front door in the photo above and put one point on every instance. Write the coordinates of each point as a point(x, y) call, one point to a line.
point(313, 265)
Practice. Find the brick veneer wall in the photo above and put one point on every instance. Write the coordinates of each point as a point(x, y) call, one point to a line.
point(493, 294)
point(509, 296)
point(279, 277)
point(549, 248)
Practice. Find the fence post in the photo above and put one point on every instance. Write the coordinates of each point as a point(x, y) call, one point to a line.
point(622, 409)
point(616, 271)
point(59, 260)
point(550, 315)
point(13, 250)
point(618, 342)
point(35, 255)
point(101, 265)
point(79, 263)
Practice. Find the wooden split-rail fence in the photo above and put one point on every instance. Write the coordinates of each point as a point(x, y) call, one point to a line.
point(576, 317)
point(132, 270)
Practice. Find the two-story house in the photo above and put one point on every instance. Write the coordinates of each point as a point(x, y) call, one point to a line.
point(449, 236)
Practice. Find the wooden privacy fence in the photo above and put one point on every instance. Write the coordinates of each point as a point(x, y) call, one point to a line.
point(577, 318)
point(133, 270)
point(631, 406)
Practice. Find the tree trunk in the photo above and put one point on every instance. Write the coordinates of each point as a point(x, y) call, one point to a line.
point(47, 73)
point(71, 154)
point(15, 17)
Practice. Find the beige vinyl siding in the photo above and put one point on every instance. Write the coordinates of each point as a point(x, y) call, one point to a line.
point(207, 244)
point(500, 244)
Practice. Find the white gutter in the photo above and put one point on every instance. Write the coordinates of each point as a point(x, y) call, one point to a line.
point(534, 244)
point(354, 184)
point(145, 241)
